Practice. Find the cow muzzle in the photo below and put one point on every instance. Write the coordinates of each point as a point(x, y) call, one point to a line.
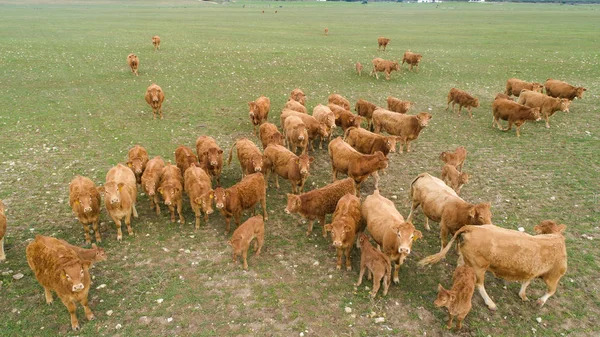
point(287, 211)
point(87, 210)
point(168, 202)
point(78, 287)
point(210, 211)
point(337, 244)
point(404, 250)
point(213, 163)
point(219, 206)
point(304, 172)
point(115, 201)
point(300, 137)
point(257, 169)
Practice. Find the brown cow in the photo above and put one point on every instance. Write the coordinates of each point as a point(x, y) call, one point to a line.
point(210, 156)
point(133, 62)
point(456, 158)
point(344, 227)
point(454, 178)
point(388, 228)
point(155, 97)
point(344, 118)
point(457, 299)
point(339, 100)
point(171, 190)
point(198, 186)
point(59, 269)
point(386, 66)
point(286, 164)
point(549, 227)
point(368, 142)
point(514, 113)
point(269, 134)
point(296, 106)
point(560, 89)
point(358, 166)
point(365, 109)
point(406, 127)
point(296, 134)
point(440, 203)
point(382, 41)
point(85, 201)
point(514, 86)
point(156, 42)
point(151, 181)
point(326, 31)
point(398, 105)
point(184, 158)
point(377, 263)
point(120, 194)
point(463, 99)
point(317, 203)
point(412, 58)
point(137, 159)
point(359, 68)
point(314, 128)
point(511, 255)
point(94, 254)
point(244, 195)
point(503, 95)
point(253, 228)
point(2, 231)
point(259, 111)
point(249, 156)
point(324, 115)
point(548, 105)
point(298, 96)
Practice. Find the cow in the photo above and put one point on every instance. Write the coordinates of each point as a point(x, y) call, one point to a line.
point(456, 158)
point(454, 178)
point(326, 31)
point(296, 134)
point(314, 128)
point(412, 59)
point(406, 127)
point(171, 190)
point(184, 158)
point(298, 96)
point(511, 255)
point(324, 115)
point(85, 202)
point(457, 299)
point(548, 105)
point(120, 194)
point(344, 117)
point(249, 156)
point(378, 265)
point(269, 134)
point(560, 89)
point(246, 194)
point(210, 156)
point(386, 66)
point(156, 42)
point(367, 142)
point(289, 166)
point(253, 228)
point(198, 186)
point(2, 231)
point(388, 228)
point(155, 97)
point(382, 42)
point(502, 95)
point(94, 254)
point(398, 105)
point(339, 100)
point(359, 68)
point(344, 226)
point(365, 109)
point(296, 106)
point(549, 227)
point(133, 62)
point(319, 202)
point(358, 166)
point(151, 180)
point(514, 113)
point(514, 86)
point(259, 111)
point(137, 159)
point(463, 99)
point(59, 269)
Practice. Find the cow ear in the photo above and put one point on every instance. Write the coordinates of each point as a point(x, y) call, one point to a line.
point(417, 235)
point(452, 295)
point(86, 264)
point(160, 190)
point(100, 189)
point(472, 212)
point(347, 229)
point(198, 200)
point(561, 228)
point(220, 151)
point(250, 104)
point(229, 242)
point(94, 246)
point(129, 164)
point(311, 159)
point(121, 186)
point(440, 287)
point(211, 194)
point(328, 227)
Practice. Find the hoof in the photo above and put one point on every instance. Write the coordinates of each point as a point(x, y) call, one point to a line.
point(338, 267)
point(348, 268)
point(75, 327)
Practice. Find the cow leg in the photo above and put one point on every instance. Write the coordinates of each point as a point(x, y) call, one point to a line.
point(135, 213)
point(459, 109)
point(172, 210)
point(260, 239)
point(387, 75)
point(407, 145)
point(443, 234)
point(128, 224)
point(157, 204)
point(338, 264)
point(376, 178)
point(348, 261)
point(179, 207)
point(118, 225)
point(470, 114)
point(160, 111)
point(509, 126)
point(480, 275)
point(448, 105)
point(459, 320)
point(277, 180)
point(245, 258)
point(227, 224)
point(48, 295)
point(96, 231)
point(263, 204)
point(522, 294)
point(310, 227)
point(551, 283)
point(449, 323)
point(376, 284)
point(333, 172)
point(518, 129)
point(547, 120)
point(88, 312)
point(197, 214)
point(396, 270)
point(360, 275)
point(322, 223)
point(72, 307)
point(154, 113)
point(86, 231)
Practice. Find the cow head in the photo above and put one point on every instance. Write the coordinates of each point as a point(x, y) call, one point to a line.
point(253, 109)
point(419, 57)
point(363, 240)
point(463, 178)
point(205, 201)
point(112, 192)
point(339, 230)
point(356, 120)
point(444, 297)
point(537, 87)
point(213, 155)
point(549, 227)
point(257, 163)
point(276, 138)
point(390, 143)
point(406, 234)
point(100, 253)
point(565, 103)
point(480, 214)
point(323, 132)
point(137, 165)
point(221, 195)
point(423, 118)
point(170, 193)
point(74, 274)
point(382, 160)
point(396, 66)
point(303, 162)
point(155, 94)
point(149, 186)
point(475, 103)
point(535, 114)
point(580, 91)
point(293, 203)
point(83, 200)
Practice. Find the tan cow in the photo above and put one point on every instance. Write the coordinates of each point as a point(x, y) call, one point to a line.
point(151, 180)
point(548, 105)
point(120, 194)
point(314, 128)
point(382, 42)
point(296, 134)
point(184, 158)
point(359, 68)
point(259, 111)
point(386, 66)
point(249, 156)
point(368, 142)
point(137, 159)
point(298, 96)
point(339, 100)
point(514, 113)
point(440, 203)
point(326, 31)
point(378, 265)
point(84, 200)
point(93, 255)
point(210, 156)
point(133, 62)
point(246, 194)
point(511, 255)
point(344, 118)
point(398, 105)
point(406, 127)
point(413, 59)
point(365, 109)
point(454, 178)
point(269, 134)
point(171, 190)
point(514, 86)
point(344, 226)
point(463, 99)
point(156, 42)
point(286, 164)
point(388, 228)
point(560, 89)
point(323, 114)
point(296, 106)
point(2, 231)
point(549, 227)
point(253, 228)
point(198, 186)
point(456, 158)
point(155, 97)
point(457, 299)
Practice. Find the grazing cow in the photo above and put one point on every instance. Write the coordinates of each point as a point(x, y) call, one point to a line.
point(259, 111)
point(548, 105)
point(253, 228)
point(133, 62)
point(386, 66)
point(406, 127)
point(120, 194)
point(244, 195)
point(210, 156)
point(454, 178)
point(317, 203)
point(59, 269)
point(377, 263)
point(151, 180)
point(344, 227)
point(398, 105)
point(388, 228)
point(549, 227)
point(269, 134)
point(463, 99)
point(457, 299)
point(382, 42)
point(171, 190)
point(515, 85)
point(365, 109)
point(339, 100)
point(85, 201)
point(314, 128)
point(298, 96)
point(368, 142)
point(456, 158)
point(359, 68)
point(296, 134)
point(358, 166)
point(94, 254)
point(511, 255)
point(2, 231)
point(137, 159)
point(412, 58)
point(502, 95)
point(156, 42)
point(155, 97)
point(324, 115)
point(344, 118)
point(286, 164)
point(296, 106)
point(249, 156)
point(326, 31)
point(198, 186)
point(560, 89)
point(440, 203)
point(184, 158)
point(514, 113)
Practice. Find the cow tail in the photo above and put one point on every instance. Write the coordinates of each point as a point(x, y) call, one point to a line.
point(437, 257)
point(231, 153)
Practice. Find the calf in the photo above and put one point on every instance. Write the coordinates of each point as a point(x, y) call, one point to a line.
point(386, 66)
point(259, 111)
point(339, 100)
point(344, 118)
point(463, 99)
point(344, 227)
point(198, 186)
point(456, 158)
point(244, 195)
point(323, 114)
point(382, 42)
point(286, 164)
point(137, 159)
point(184, 158)
point(319, 202)
point(365, 109)
point(406, 127)
point(93, 255)
point(151, 180)
point(296, 134)
point(296, 106)
point(2, 231)
point(514, 113)
point(133, 62)
point(457, 299)
point(155, 97)
point(249, 156)
point(398, 105)
point(412, 58)
point(171, 190)
point(298, 96)
point(314, 128)
point(378, 264)
point(548, 105)
point(210, 156)
point(253, 228)
point(454, 178)
point(84, 200)
point(514, 86)
point(359, 68)
point(269, 134)
point(326, 31)
point(560, 89)
point(368, 142)
point(156, 42)
point(120, 193)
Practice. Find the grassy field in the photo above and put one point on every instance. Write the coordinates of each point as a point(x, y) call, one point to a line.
point(69, 106)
